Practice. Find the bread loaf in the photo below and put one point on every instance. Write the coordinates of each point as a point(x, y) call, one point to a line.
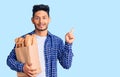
point(28, 40)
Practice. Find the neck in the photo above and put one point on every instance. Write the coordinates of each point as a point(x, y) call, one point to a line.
point(41, 33)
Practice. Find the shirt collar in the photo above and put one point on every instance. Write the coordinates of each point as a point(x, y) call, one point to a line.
point(48, 34)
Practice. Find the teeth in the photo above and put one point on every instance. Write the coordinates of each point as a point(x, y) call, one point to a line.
point(41, 25)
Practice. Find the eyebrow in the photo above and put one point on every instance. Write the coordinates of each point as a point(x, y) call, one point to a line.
point(42, 16)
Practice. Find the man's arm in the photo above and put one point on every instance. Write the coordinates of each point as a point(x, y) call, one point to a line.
point(65, 55)
point(13, 63)
point(65, 51)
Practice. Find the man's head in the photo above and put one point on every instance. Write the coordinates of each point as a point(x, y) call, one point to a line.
point(40, 7)
point(41, 17)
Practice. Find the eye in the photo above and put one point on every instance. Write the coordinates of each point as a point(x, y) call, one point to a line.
point(36, 18)
point(44, 17)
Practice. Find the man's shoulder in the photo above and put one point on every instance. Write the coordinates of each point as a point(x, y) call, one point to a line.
point(55, 37)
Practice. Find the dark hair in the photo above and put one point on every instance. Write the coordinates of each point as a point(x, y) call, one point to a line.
point(40, 7)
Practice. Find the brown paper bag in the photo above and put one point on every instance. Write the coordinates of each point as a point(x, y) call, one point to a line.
point(28, 54)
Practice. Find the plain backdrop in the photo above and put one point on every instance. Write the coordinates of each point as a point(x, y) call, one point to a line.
point(96, 26)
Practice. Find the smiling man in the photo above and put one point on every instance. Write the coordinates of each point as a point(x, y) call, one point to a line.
point(51, 48)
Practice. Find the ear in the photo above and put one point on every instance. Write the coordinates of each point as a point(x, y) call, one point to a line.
point(32, 20)
point(49, 19)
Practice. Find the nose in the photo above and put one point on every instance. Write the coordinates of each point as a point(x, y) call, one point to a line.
point(40, 20)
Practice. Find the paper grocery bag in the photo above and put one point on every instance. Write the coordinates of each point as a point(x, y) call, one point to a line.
point(28, 54)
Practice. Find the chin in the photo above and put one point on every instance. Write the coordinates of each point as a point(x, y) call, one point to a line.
point(41, 29)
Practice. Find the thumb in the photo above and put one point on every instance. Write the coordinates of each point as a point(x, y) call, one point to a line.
point(29, 64)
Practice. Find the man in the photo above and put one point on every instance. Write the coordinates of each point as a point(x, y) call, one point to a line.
point(51, 47)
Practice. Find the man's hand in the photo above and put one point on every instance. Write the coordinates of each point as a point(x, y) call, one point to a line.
point(30, 72)
point(69, 37)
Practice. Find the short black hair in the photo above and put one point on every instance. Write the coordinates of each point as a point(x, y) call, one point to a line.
point(40, 7)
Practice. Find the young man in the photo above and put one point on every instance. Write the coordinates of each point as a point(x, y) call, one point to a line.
point(50, 47)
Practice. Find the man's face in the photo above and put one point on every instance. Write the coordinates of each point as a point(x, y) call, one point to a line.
point(41, 20)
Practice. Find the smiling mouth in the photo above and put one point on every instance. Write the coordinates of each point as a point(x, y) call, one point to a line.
point(41, 25)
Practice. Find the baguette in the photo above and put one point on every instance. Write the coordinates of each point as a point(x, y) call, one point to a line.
point(28, 40)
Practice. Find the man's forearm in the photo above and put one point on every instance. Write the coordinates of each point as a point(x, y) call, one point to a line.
point(13, 63)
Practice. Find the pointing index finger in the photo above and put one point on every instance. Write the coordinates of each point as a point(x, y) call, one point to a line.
point(72, 30)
